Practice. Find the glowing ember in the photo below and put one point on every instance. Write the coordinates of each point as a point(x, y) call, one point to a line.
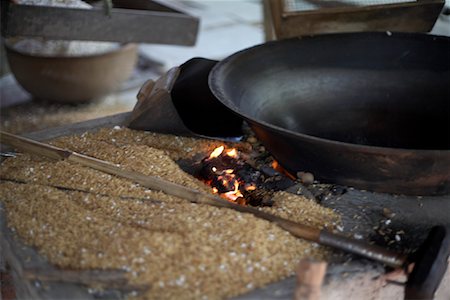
point(223, 178)
point(216, 152)
point(231, 175)
point(232, 153)
point(276, 166)
point(235, 194)
point(250, 187)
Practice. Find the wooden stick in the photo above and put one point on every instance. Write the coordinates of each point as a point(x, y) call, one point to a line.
point(69, 189)
point(154, 183)
point(322, 237)
point(310, 276)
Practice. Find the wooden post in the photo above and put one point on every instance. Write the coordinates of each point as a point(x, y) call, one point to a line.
point(310, 276)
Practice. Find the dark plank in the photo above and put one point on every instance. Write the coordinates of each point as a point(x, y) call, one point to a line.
point(20, 257)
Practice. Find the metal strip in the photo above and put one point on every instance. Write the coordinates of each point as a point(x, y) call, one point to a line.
point(362, 248)
point(122, 25)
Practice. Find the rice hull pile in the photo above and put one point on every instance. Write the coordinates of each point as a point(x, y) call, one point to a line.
point(81, 218)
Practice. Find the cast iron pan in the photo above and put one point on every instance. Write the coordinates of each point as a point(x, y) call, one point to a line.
point(369, 110)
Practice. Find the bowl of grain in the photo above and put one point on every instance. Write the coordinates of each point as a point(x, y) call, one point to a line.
point(69, 71)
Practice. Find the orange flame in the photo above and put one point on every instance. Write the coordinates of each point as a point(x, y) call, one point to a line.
point(276, 166)
point(216, 152)
point(227, 177)
point(235, 194)
point(250, 188)
point(232, 153)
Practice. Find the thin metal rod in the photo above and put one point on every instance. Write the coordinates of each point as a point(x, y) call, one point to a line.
point(362, 248)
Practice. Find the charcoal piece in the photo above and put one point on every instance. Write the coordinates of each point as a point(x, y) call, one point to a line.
point(269, 171)
point(278, 183)
point(191, 166)
point(249, 175)
point(259, 197)
point(214, 172)
point(300, 189)
point(338, 190)
point(224, 183)
point(220, 163)
point(206, 170)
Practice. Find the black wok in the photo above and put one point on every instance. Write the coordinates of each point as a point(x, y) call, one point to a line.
point(369, 110)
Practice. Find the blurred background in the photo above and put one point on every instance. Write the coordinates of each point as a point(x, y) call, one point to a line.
point(46, 83)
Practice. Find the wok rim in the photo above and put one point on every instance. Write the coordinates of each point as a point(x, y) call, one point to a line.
point(217, 90)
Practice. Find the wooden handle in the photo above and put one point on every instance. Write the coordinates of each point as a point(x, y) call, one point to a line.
point(310, 276)
point(154, 183)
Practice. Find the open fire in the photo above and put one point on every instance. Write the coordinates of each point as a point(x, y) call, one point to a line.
point(231, 176)
point(219, 172)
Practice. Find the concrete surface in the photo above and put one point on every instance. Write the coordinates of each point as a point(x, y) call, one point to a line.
point(225, 27)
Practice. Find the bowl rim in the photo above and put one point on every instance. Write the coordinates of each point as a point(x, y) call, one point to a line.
point(121, 47)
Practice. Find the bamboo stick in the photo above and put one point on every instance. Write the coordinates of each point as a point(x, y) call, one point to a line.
point(153, 182)
point(69, 189)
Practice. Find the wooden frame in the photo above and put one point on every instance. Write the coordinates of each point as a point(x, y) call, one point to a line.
point(418, 16)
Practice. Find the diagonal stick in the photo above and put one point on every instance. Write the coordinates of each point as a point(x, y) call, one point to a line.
point(155, 183)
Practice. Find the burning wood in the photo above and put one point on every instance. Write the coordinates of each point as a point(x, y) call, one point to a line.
point(218, 171)
point(230, 176)
point(109, 229)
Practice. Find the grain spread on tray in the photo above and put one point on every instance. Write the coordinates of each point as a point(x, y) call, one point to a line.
point(81, 218)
